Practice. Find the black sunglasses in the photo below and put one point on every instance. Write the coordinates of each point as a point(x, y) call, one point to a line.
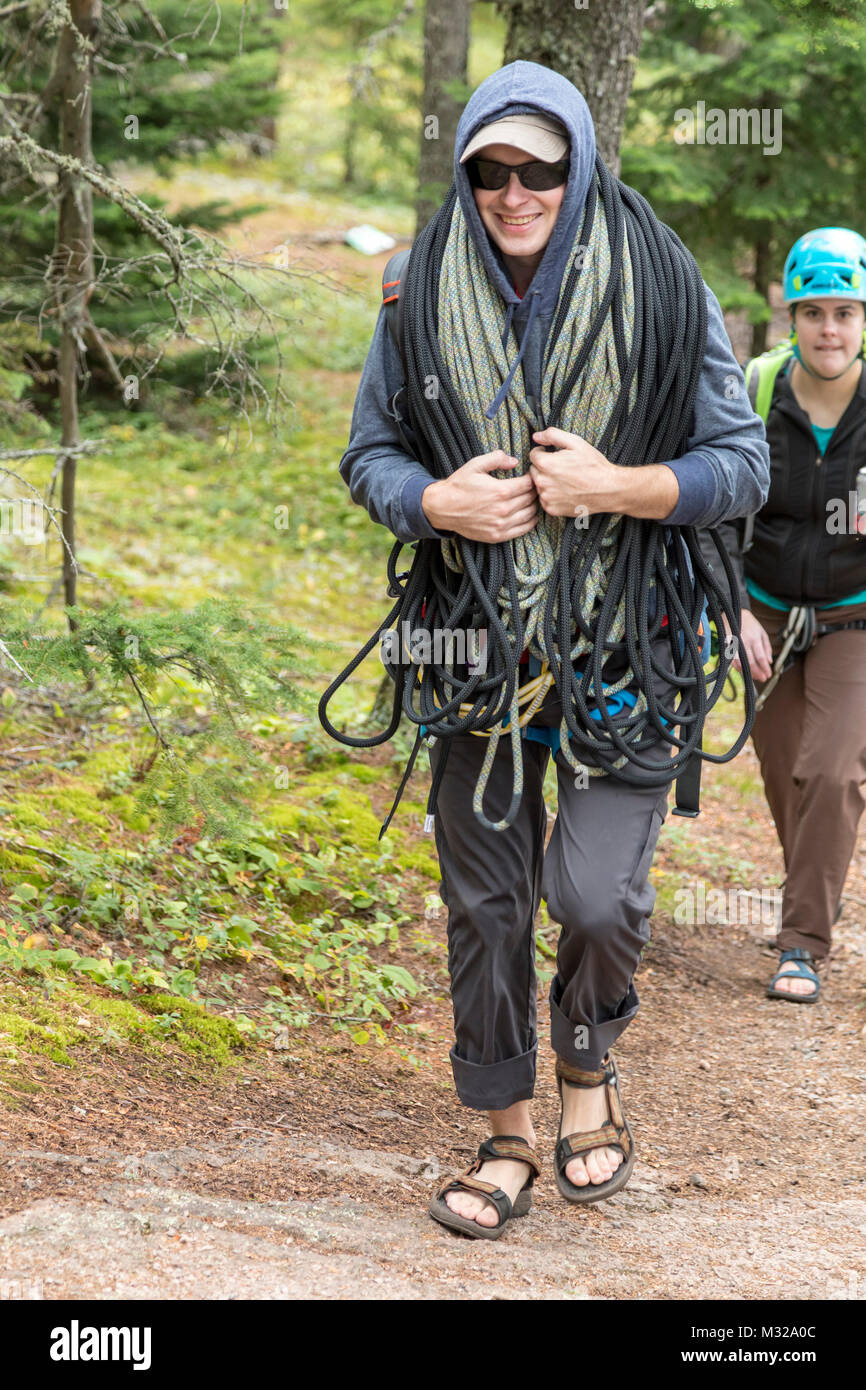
point(537, 174)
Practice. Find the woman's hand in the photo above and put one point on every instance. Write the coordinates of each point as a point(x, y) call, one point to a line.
point(756, 644)
point(479, 507)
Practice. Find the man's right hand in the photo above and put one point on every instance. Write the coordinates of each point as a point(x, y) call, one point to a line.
point(479, 507)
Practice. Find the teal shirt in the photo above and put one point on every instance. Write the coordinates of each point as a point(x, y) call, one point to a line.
point(823, 438)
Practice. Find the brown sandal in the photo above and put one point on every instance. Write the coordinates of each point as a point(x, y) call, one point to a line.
point(615, 1134)
point(497, 1146)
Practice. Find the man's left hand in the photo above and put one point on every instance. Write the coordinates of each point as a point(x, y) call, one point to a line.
point(576, 480)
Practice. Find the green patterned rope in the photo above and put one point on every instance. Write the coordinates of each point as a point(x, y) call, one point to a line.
point(471, 324)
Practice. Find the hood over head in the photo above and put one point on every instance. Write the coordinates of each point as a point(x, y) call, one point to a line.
point(517, 89)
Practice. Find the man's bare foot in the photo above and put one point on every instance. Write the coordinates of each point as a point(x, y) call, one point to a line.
point(798, 984)
point(584, 1109)
point(507, 1173)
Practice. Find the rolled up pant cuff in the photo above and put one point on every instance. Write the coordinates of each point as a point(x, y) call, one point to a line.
point(496, 1085)
point(585, 1044)
point(789, 940)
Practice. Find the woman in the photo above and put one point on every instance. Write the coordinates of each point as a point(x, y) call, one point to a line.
point(524, 165)
point(810, 732)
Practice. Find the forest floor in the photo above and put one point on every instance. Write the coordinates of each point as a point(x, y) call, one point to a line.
point(307, 1173)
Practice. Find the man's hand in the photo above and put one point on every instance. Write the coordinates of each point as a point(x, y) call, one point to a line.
point(577, 480)
point(479, 507)
point(756, 644)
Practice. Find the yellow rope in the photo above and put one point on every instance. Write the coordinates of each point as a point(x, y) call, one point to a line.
point(538, 685)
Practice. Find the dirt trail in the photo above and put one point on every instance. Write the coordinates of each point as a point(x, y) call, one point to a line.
point(308, 1176)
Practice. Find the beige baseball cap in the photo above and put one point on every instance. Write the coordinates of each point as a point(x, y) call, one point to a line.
point(539, 135)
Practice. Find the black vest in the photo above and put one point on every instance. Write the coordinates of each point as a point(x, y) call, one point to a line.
point(795, 555)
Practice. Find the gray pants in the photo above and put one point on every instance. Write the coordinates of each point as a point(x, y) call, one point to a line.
point(594, 879)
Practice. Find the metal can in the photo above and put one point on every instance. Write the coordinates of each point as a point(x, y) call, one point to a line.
point(861, 503)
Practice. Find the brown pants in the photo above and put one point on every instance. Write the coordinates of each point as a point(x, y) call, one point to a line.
point(810, 738)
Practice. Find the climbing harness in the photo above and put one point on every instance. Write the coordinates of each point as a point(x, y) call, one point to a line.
point(580, 597)
point(801, 631)
point(797, 636)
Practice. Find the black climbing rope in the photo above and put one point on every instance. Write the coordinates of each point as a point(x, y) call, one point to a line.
point(666, 356)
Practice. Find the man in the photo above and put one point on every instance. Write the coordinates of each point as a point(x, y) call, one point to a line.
point(510, 249)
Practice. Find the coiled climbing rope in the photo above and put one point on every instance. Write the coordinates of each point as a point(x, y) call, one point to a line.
point(621, 369)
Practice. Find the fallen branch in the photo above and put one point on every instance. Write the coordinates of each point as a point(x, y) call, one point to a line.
point(36, 849)
point(25, 151)
point(88, 446)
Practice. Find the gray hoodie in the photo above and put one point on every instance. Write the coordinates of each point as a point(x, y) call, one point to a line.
point(726, 469)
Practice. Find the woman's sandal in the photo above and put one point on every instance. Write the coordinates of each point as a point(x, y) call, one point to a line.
point(805, 971)
point(497, 1146)
point(615, 1134)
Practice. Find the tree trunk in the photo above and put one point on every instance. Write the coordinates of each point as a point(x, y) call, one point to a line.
point(382, 708)
point(762, 285)
point(593, 48)
point(72, 260)
point(763, 249)
point(446, 54)
point(349, 151)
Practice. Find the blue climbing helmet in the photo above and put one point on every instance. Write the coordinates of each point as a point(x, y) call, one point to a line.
point(828, 263)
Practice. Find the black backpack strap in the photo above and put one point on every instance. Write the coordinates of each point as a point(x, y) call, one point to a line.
point(688, 787)
point(393, 298)
point(393, 295)
point(752, 382)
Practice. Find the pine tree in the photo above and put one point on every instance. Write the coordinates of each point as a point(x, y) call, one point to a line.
point(164, 87)
point(738, 208)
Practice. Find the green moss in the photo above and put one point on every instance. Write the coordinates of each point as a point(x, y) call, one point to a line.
point(355, 821)
point(58, 800)
point(362, 773)
point(49, 1040)
point(28, 864)
point(79, 1016)
point(19, 1083)
point(123, 806)
point(77, 803)
point(422, 861)
point(336, 812)
point(26, 813)
point(105, 762)
point(291, 819)
point(198, 1031)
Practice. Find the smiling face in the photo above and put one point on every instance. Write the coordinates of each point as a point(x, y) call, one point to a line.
point(829, 332)
point(518, 220)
